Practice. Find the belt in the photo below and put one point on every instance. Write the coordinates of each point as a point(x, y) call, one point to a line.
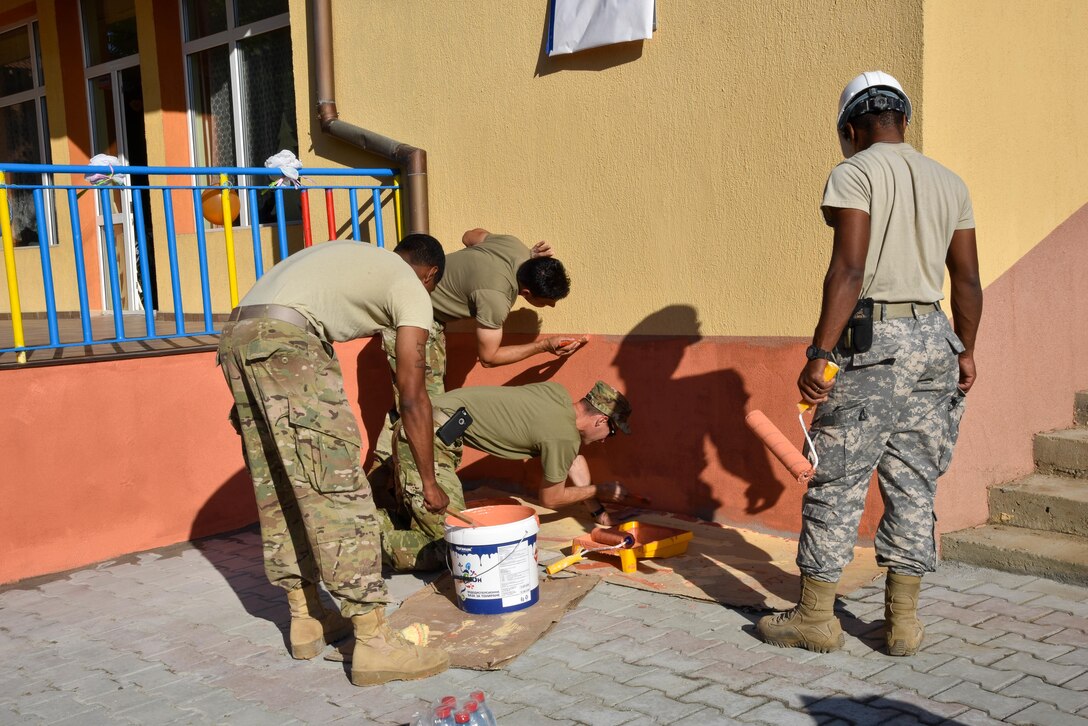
point(887, 311)
point(275, 312)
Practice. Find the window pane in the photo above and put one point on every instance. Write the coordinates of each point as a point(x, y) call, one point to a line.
point(268, 92)
point(103, 122)
point(45, 133)
point(38, 57)
point(204, 17)
point(19, 143)
point(213, 114)
point(15, 71)
point(109, 30)
point(250, 11)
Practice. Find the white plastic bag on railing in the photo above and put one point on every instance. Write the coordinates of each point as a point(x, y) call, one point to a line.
point(288, 165)
point(100, 179)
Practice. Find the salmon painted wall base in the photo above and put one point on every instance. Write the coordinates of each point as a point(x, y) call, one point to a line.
point(104, 459)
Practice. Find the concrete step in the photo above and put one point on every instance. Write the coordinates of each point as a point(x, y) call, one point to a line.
point(1080, 408)
point(1017, 550)
point(1044, 502)
point(1056, 556)
point(1064, 452)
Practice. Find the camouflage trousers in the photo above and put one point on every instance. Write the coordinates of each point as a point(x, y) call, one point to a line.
point(895, 409)
point(412, 537)
point(302, 448)
point(434, 376)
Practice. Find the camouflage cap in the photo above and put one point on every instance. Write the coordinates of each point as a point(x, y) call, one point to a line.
point(611, 403)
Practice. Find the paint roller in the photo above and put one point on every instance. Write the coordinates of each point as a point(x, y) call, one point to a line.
point(794, 461)
point(609, 540)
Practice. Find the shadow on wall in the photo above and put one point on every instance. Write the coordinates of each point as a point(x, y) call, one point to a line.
point(694, 418)
point(685, 428)
point(593, 59)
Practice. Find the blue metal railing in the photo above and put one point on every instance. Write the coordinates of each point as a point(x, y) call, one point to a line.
point(162, 193)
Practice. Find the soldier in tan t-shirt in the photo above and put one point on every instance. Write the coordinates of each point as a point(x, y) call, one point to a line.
point(302, 446)
point(511, 422)
point(482, 283)
point(899, 219)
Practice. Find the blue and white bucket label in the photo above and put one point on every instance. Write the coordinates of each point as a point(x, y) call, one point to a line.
point(496, 578)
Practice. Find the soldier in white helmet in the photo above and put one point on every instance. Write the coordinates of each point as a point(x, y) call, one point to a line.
point(899, 219)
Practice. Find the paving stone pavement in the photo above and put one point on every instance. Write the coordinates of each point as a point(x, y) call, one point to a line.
point(194, 634)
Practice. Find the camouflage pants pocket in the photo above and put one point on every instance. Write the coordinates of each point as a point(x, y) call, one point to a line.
point(837, 446)
point(956, 408)
point(330, 464)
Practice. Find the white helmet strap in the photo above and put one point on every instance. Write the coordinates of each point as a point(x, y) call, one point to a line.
point(875, 99)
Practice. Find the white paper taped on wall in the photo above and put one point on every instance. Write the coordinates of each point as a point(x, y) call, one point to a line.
point(581, 24)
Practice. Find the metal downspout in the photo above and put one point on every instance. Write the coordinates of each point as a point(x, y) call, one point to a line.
point(411, 160)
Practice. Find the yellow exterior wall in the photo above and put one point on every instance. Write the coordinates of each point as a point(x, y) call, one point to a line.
point(683, 170)
point(1005, 109)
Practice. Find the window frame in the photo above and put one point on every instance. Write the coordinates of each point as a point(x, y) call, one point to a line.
point(41, 110)
point(230, 38)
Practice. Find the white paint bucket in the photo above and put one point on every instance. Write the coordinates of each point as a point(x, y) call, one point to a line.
point(494, 566)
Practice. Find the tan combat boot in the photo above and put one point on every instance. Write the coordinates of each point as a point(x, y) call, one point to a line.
point(383, 655)
point(312, 626)
point(811, 625)
point(903, 630)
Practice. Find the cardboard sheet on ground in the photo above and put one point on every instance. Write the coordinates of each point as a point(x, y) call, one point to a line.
point(723, 564)
point(488, 642)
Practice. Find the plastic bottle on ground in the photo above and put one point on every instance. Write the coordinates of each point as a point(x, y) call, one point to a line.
point(475, 717)
point(443, 716)
point(462, 717)
point(486, 716)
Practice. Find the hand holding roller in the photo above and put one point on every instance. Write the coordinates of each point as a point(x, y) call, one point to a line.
point(830, 371)
point(779, 445)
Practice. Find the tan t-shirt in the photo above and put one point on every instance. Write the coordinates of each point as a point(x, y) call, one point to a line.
point(519, 422)
point(914, 206)
point(481, 282)
point(347, 289)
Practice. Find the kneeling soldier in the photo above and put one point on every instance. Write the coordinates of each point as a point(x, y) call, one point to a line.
point(511, 422)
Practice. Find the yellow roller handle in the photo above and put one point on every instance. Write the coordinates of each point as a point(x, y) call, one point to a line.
point(830, 372)
point(565, 562)
point(9, 267)
point(228, 238)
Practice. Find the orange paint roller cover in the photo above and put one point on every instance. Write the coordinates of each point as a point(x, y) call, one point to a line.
point(614, 539)
point(780, 446)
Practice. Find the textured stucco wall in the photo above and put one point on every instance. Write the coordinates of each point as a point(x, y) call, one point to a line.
point(684, 170)
point(1005, 109)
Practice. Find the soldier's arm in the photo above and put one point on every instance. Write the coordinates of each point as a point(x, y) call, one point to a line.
point(492, 353)
point(416, 412)
point(842, 285)
point(962, 263)
point(557, 494)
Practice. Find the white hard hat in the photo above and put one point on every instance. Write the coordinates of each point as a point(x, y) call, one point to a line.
point(872, 91)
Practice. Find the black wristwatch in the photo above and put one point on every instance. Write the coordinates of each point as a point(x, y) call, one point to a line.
point(813, 352)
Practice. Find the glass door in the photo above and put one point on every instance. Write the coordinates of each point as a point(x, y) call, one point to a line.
point(115, 99)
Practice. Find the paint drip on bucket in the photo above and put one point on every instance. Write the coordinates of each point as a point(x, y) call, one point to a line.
point(494, 567)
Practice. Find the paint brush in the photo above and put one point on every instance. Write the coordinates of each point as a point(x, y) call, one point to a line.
point(466, 518)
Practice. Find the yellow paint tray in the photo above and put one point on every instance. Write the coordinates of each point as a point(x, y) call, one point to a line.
point(651, 540)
